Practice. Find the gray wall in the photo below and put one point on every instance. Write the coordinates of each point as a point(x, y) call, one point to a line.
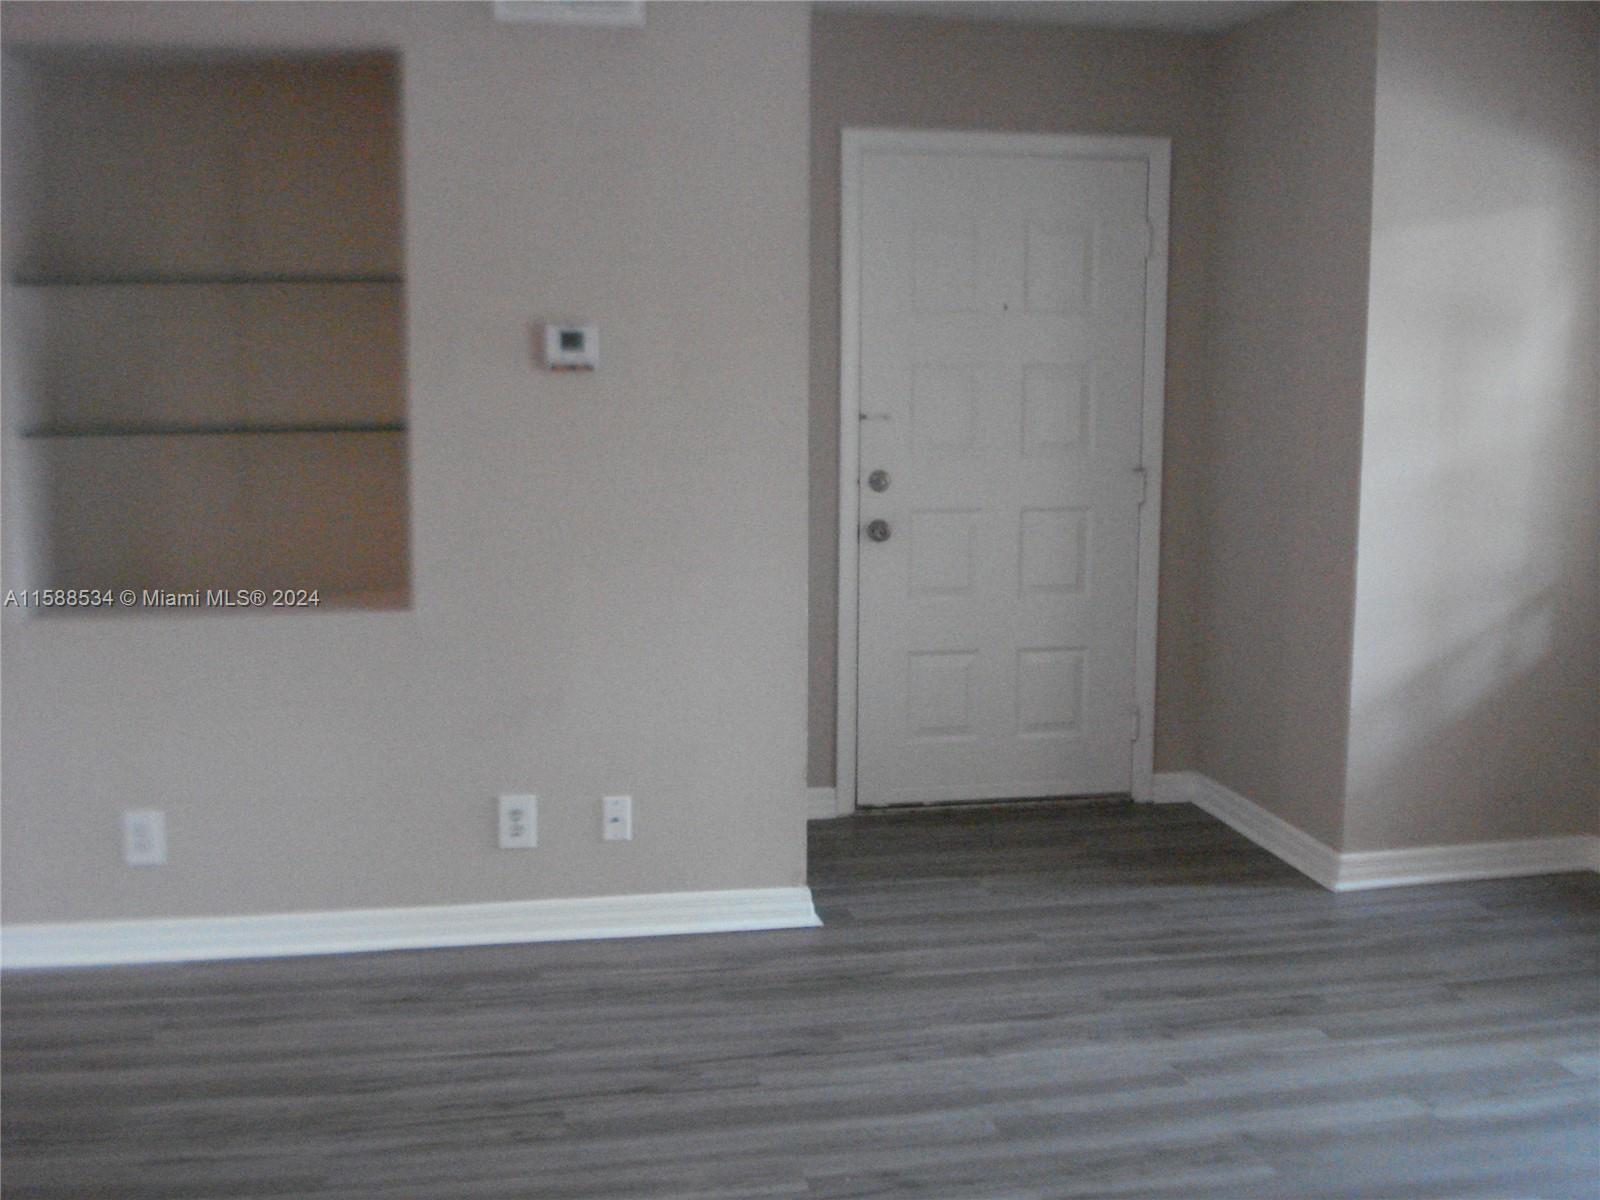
point(869, 70)
point(1284, 430)
point(1476, 698)
point(608, 571)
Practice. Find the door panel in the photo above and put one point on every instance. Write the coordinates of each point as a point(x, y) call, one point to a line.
point(1001, 380)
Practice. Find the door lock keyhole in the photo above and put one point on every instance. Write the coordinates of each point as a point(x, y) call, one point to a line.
point(878, 481)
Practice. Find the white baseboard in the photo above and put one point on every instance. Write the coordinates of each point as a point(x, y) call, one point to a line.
point(1273, 834)
point(355, 931)
point(822, 804)
point(1476, 860)
point(1359, 870)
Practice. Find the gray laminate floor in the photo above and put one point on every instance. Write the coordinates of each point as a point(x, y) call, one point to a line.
point(1049, 1001)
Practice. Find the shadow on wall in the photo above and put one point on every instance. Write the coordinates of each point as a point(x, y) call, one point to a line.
point(1472, 695)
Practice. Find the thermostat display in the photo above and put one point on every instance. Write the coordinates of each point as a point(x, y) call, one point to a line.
point(571, 347)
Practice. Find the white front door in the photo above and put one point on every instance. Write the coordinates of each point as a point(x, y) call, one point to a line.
point(1002, 306)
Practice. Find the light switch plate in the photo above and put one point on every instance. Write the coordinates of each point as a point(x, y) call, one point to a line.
point(616, 818)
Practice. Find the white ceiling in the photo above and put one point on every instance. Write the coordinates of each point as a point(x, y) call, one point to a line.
point(1177, 16)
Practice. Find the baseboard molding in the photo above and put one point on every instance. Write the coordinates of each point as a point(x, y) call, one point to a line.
point(1272, 833)
point(1476, 860)
point(275, 935)
point(1360, 870)
point(822, 804)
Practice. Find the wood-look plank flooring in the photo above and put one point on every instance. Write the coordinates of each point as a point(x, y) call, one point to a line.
point(1101, 1000)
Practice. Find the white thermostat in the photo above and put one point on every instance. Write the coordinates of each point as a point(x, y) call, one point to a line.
point(571, 347)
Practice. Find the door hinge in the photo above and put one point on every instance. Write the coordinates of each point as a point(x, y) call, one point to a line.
point(1138, 722)
point(1141, 480)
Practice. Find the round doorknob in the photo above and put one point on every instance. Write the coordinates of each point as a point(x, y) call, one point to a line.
point(878, 531)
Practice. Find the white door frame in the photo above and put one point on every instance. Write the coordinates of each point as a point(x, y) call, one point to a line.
point(1157, 153)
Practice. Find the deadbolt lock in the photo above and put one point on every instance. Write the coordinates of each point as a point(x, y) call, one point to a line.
point(878, 481)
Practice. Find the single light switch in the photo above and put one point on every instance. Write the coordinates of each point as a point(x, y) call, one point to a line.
point(616, 818)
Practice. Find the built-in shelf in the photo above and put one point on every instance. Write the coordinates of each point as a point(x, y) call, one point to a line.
point(55, 281)
point(125, 431)
point(205, 328)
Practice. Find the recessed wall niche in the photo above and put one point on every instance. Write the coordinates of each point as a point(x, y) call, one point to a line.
point(204, 284)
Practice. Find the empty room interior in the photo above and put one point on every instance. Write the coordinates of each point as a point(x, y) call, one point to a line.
point(800, 601)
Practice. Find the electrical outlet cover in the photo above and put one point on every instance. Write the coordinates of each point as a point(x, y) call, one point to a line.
point(144, 837)
point(519, 822)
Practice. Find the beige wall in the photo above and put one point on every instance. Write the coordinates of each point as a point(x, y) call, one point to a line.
point(608, 571)
point(1284, 431)
point(870, 70)
point(1476, 696)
